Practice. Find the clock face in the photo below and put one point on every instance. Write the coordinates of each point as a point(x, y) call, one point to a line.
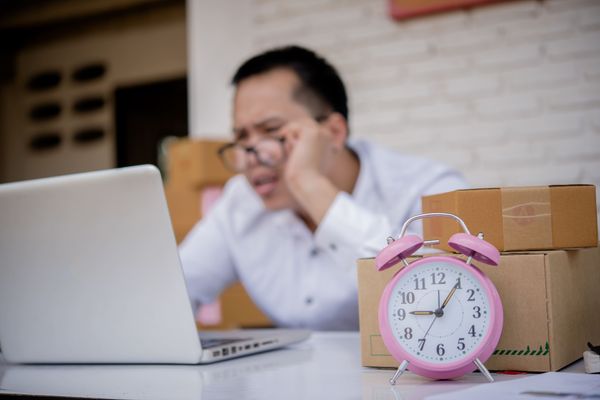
point(439, 312)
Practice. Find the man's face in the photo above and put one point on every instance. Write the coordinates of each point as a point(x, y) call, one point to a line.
point(262, 105)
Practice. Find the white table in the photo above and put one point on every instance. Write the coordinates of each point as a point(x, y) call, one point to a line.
point(327, 366)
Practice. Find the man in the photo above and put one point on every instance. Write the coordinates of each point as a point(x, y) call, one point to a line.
point(307, 202)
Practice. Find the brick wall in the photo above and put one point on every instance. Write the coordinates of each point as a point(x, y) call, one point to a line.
point(508, 93)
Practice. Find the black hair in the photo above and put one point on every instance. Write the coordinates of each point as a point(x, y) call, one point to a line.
point(321, 88)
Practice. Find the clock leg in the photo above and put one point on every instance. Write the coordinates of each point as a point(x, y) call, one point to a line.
point(399, 372)
point(483, 370)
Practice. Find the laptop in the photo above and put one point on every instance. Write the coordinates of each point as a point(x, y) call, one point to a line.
point(90, 273)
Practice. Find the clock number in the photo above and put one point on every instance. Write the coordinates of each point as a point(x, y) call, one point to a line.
point(472, 330)
point(471, 295)
point(408, 333)
point(440, 349)
point(477, 313)
point(401, 314)
point(421, 344)
point(441, 276)
point(419, 283)
point(461, 343)
point(407, 297)
point(458, 283)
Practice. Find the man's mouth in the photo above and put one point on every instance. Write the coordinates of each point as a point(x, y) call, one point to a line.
point(264, 185)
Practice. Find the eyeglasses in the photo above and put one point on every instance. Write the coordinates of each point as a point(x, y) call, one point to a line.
point(268, 151)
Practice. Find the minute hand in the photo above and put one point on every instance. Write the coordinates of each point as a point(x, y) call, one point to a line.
point(447, 299)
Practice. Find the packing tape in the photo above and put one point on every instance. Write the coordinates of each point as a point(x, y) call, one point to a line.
point(526, 219)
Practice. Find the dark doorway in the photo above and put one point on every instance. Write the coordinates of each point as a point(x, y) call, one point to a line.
point(145, 115)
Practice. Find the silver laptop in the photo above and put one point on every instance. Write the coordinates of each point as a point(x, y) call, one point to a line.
point(89, 273)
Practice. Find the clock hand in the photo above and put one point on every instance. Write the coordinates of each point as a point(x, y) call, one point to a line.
point(449, 296)
point(430, 325)
point(422, 312)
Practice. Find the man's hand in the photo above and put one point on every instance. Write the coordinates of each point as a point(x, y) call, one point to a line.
point(310, 154)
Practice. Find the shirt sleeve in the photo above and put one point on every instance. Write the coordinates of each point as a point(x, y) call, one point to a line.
point(350, 227)
point(362, 232)
point(206, 259)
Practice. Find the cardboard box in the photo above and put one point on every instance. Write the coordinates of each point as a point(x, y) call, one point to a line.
point(194, 164)
point(184, 208)
point(550, 302)
point(518, 218)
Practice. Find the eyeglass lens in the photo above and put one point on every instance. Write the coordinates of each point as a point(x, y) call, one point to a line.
point(268, 152)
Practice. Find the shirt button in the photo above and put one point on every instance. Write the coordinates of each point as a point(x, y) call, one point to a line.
point(308, 301)
point(314, 252)
point(332, 246)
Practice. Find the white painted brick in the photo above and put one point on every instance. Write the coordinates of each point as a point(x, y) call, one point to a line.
point(508, 106)
point(452, 21)
point(482, 178)
point(395, 137)
point(593, 120)
point(540, 174)
point(581, 148)
point(401, 93)
point(589, 18)
point(471, 86)
point(587, 96)
point(314, 6)
point(438, 113)
point(281, 26)
point(508, 11)
point(439, 66)
point(434, 24)
point(542, 76)
point(546, 126)
point(512, 152)
point(400, 50)
point(337, 17)
point(373, 77)
point(585, 44)
point(590, 67)
point(459, 158)
point(364, 121)
point(568, 5)
point(591, 174)
point(544, 27)
point(509, 56)
point(370, 33)
point(473, 134)
point(467, 40)
point(353, 59)
point(266, 12)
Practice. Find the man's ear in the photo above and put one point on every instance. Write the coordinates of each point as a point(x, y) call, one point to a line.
point(338, 126)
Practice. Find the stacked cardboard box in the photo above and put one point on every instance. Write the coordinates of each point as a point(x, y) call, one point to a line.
point(547, 279)
point(195, 174)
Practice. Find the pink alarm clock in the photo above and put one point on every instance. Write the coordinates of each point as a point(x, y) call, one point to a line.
point(440, 316)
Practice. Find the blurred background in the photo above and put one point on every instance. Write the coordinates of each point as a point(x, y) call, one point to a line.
point(508, 92)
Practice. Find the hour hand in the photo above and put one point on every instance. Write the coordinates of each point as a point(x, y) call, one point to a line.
point(445, 303)
point(422, 312)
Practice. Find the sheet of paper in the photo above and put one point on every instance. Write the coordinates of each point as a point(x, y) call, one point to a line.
point(551, 385)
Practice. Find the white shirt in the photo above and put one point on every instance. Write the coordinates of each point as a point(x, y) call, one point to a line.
point(296, 277)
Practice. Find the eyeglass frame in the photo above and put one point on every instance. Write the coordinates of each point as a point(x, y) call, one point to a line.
point(252, 149)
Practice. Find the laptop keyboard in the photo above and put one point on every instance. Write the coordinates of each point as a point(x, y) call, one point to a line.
point(208, 343)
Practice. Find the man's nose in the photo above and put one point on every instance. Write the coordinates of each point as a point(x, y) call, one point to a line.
point(251, 158)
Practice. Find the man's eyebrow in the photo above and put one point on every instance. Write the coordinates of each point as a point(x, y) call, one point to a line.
point(237, 132)
point(267, 121)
